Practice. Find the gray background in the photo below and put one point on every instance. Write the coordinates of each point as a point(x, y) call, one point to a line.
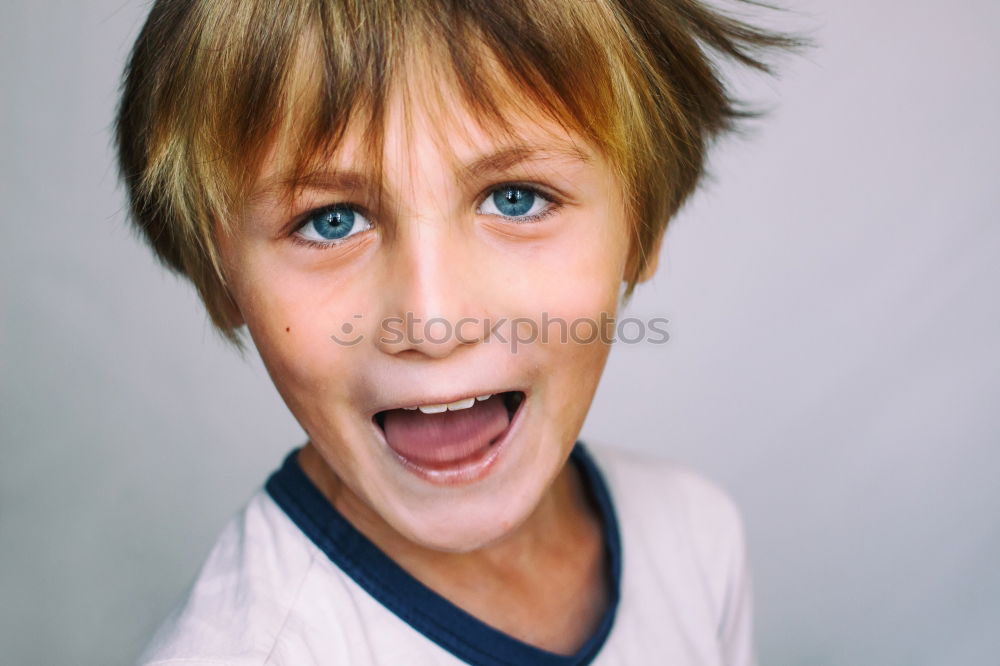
point(834, 358)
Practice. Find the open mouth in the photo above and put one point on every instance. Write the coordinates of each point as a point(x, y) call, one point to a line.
point(449, 435)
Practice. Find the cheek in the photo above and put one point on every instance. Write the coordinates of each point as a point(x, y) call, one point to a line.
point(572, 298)
point(293, 316)
point(578, 272)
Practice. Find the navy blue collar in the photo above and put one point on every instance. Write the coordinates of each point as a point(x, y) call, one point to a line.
point(438, 619)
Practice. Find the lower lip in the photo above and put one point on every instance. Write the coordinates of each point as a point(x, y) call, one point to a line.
point(468, 470)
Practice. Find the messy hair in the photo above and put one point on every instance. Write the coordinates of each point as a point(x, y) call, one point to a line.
point(210, 86)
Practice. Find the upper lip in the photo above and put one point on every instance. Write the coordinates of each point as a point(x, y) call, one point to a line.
point(441, 399)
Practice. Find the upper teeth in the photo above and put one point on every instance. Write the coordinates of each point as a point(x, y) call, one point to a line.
point(464, 403)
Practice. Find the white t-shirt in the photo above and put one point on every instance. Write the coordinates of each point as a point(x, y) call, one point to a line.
point(291, 582)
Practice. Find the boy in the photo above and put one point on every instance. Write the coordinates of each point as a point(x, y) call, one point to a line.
point(386, 193)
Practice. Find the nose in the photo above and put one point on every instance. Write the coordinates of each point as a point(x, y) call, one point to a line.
point(431, 303)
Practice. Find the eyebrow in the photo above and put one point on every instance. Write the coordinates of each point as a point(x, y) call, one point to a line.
point(495, 162)
point(506, 158)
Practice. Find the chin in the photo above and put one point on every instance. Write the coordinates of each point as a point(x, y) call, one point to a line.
point(472, 527)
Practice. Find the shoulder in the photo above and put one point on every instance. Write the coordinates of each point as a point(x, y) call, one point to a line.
point(663, 489)
point(677, 513)
point(684, 536)
point(235, 610)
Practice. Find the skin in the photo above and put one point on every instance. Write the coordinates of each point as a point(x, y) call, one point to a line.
point(521, 548)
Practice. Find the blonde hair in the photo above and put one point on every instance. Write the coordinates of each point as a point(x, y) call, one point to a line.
point(209, 83)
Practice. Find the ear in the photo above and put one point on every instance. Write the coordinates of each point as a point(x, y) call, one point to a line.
point(652, 260)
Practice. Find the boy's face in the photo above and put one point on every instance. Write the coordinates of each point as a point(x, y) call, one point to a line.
point(327, 299)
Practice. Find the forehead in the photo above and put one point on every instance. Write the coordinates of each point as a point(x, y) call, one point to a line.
point(425, 115)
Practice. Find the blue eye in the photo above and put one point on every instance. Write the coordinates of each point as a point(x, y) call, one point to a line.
point(328, 226)
point(515, 201)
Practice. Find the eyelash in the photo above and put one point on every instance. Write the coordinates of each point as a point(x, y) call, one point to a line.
point(552, 208)
point(308, 242)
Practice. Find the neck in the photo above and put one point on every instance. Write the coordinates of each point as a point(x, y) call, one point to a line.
point(543, 583)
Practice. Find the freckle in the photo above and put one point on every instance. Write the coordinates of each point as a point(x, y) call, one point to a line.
point(287, 329)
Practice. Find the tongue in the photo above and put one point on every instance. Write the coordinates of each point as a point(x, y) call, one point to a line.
point(447, 437)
